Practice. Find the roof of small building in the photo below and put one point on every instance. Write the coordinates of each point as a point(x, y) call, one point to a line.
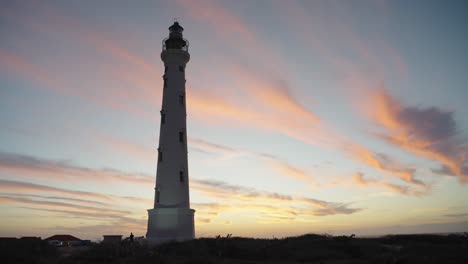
point(63, 238)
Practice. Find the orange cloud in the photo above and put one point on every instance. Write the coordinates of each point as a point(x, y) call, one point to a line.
point(286, 169)
point(383, 163)
point(32, 190)
point(126, 147)
point(127, 66)
point(231, 28)
point(401, 189)
point(266, 106)
point(25, 187)
point(248, 197)
point(62, 205)
point(360, 180)
point(31, 167)
point(18, 65)
point(279, 165)
point(430, 133)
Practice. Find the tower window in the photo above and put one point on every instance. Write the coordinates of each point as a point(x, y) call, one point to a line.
point(165, 69)
point(163, 117)
point(181, 136)
point(181, 68)
point(158, 193)
point(165, 81)
point(181, 176)
point(160, 155)
point(181, 99)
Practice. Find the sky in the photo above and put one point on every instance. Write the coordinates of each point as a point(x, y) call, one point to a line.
point(333, 117)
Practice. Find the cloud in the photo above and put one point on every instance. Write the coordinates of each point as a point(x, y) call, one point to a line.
point(456, 215)
point(47, 197)
point(360, 180)
point(428, 132)
point(399, 188)
point(125, 147)
point(20, 188)
point(99, 206)
point(336, 209)
point(230, 28)
point(384, 163)
point(204, 146)
point(279, 165)
point(283, 114)
point(123, 66)
point(251, 197)
point(17, 64)
point(74, 213)
point(63, 170)
point(59, 204)
point(53, 204)
point(288, 170)
point(200, 220)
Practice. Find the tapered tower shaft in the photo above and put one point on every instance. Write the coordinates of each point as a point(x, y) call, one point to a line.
point(171, 218)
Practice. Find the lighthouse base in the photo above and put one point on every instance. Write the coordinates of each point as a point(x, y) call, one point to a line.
point(170, 224)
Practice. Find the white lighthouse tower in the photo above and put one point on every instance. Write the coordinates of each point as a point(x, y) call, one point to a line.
point(171, 218)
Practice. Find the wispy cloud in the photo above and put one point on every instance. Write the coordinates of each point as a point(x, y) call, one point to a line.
point(14, 63)
point(384, 163)
point(359, 179)
point(235, 198)
point(248, 197)
point(204, 146)
point(357, 56)
point(127, 66)
point(125, 147)
point(55, 204)
point(457, 215)
point(32, 167)
point(427, 132)
point(230, 28)
point(281, 166)
point(26, 187)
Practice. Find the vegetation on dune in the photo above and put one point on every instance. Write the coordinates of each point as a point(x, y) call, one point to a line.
point(309, 248)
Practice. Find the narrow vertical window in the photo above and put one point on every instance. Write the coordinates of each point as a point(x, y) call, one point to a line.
point(181, 68)
point(165, 81)
point(181, 176)
point(181, 136)
point(163, 117)
point(165, 69)
point(181, 99)
point(158, 194)
point(160, 155)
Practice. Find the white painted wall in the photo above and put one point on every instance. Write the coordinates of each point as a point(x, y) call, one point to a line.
point(171, 218)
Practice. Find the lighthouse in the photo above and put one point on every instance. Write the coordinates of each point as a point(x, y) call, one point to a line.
point(171, 218)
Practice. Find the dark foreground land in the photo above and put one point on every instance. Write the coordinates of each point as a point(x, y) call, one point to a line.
point(303, 249)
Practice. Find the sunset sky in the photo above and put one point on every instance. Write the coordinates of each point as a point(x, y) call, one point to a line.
point(326, 116)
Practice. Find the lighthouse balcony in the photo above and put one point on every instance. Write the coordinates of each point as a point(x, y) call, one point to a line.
point(175, 44)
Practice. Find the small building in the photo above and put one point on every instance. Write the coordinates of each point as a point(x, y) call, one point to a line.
point(63, 240)
point(112, 239)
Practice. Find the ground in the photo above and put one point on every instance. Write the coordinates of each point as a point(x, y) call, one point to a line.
point(236, 250)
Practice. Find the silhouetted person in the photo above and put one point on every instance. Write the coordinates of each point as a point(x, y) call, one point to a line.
point(131, 237)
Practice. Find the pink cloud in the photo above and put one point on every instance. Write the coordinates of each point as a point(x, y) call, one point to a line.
point(426, 132)
point(384, 163)
point(37, 168)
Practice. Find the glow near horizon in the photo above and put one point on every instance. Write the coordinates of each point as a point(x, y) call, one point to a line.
point(302, 117)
